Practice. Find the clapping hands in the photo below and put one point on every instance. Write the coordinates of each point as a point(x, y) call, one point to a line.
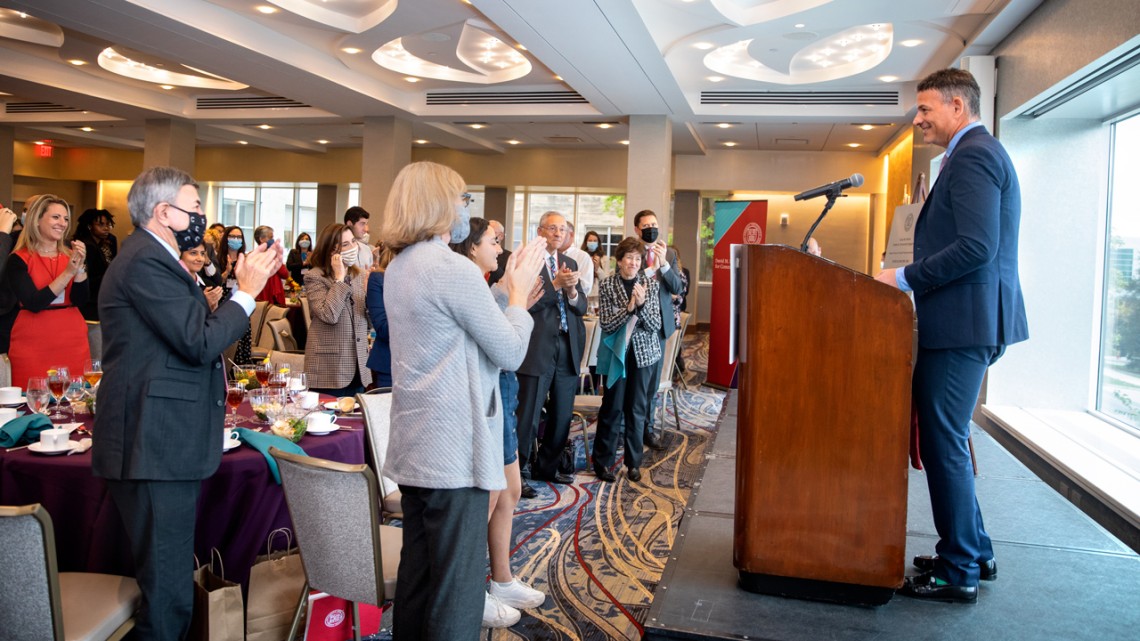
point(521, 272)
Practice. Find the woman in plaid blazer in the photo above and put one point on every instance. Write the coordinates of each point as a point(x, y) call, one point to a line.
point(628, 302)
point(336, 351)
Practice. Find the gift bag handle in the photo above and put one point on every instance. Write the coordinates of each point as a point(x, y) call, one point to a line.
point(287, 533)
point(215, 554)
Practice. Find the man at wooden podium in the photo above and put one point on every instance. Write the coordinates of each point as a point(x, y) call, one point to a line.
point(967, 296)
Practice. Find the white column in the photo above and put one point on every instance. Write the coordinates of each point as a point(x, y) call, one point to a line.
point(649, 175)
point(387, 149)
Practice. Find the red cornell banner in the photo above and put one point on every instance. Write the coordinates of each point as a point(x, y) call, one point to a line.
point(735, 222)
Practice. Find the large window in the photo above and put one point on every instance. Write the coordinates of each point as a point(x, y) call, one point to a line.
point(1119, 389)
point(601, 213)
point(289, 210)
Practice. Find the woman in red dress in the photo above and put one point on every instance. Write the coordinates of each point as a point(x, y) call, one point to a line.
point(49, 280)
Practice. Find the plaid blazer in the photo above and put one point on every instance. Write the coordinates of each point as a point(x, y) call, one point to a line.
point(337, 346)
point(612, 311)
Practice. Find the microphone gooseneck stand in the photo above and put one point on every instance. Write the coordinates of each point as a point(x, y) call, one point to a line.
point(831, 197)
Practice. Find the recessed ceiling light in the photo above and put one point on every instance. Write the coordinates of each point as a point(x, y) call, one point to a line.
point(799, 25)
point(724, 125)
point(351, 50)
point(604, 125)
point(477, 125)
point(910, 43)
point(853, 145)
point(558, 78)
point(412, 79)
point(888, 78)
point(167, 87)
point(242, 142)
point(730, 144)
point(624, 142)
point(421, 141)
point(38, 142)
point(87, 129)
point(266, 9)
point(77, 62)
point(866, 127)
point(521, 47)
point(714, 78)
point(514, 142)
point(703, 46)
point(322, 142)
point(265, 127)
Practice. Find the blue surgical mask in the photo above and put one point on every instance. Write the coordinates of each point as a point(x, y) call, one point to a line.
point(461, 228)
point(592, 245)
point(304, 244)
point(234, 244)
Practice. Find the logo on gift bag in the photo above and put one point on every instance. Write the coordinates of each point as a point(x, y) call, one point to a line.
point(334, 618)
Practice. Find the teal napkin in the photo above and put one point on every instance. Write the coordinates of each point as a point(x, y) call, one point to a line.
point(261, 442)
point(611, 356)
point(24, 430)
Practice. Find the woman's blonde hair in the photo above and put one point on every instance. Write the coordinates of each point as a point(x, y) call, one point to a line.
point(421, 204)
point(30, 237)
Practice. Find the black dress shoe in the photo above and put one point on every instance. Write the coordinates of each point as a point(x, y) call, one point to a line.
point(927, 588)
point(604, 475)
point(528, 492)
point(557, 477)
point(634, 474)
point(987, 569)
point(654, 443)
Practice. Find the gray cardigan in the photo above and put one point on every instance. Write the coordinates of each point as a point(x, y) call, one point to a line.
point(449, 340)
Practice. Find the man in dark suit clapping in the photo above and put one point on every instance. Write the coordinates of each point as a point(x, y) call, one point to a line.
point(162, 398)
point(967, 296)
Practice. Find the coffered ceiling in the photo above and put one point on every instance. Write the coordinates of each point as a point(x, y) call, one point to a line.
point(485, 75)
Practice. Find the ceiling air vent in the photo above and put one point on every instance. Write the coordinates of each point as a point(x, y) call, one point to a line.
point(36, 108)
point(247, 102)
point(504, 98)
point(800, 97)
point(563, 140)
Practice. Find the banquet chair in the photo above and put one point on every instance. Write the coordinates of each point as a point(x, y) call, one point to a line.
point(584, 367)
point(256, 320)
point(295, 360)
point(5, 371)
point(587, 404)
point(375, 407)
point(37, 602)
point(305, 311)
point(263, 338)
point(282, 333)
point(665, 384)
point(345, 550)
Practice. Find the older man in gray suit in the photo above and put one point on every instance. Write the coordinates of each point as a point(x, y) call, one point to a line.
point(161, 402)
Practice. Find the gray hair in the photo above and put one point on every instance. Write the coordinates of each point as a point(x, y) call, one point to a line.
point(951, 83)
point(261, 233)
point(545, 216)
point(153, 186)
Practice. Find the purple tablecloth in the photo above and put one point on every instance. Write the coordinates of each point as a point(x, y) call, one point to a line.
point(240, 504)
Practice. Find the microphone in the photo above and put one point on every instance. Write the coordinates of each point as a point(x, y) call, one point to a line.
point(856, 180)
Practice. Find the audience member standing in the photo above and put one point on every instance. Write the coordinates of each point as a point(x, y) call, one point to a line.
point(274, 291)
point(549, 374)
point(629, 309)
point(501, 261)
point(8, 309)
point(585, 263)
point(336, 350)
point(235, 248)
point(449, 340)
point(162, 397)
point(298, 259)
point(380, 356)
point(356, 219)
point(49, 280)
point(95, 229)
point(661, 266)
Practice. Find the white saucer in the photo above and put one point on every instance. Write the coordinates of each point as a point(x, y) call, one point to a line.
point(23, 399)
point(332, 428)
point(38, 448)
point(332, 405)
point(231, 444)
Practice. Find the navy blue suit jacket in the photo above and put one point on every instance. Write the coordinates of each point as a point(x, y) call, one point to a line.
point(380, 358)
point(964, 275)
point(543, 346)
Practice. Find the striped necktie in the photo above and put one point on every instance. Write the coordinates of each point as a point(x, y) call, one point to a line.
point(561, 303)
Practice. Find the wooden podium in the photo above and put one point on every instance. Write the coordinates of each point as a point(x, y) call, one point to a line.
point(823, 429)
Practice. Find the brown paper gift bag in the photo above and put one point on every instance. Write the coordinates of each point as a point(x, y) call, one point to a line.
point(275, 584)
point(218, 612)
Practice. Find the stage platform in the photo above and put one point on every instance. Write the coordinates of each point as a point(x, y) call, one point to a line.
point(1060, 575)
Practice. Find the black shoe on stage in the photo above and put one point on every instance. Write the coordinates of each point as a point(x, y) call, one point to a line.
point(987, 572)
point(528, 492)
point(927, 588)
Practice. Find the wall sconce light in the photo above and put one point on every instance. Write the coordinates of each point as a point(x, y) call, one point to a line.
point(783, 220)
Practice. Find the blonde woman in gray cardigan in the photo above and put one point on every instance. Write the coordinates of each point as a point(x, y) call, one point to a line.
point(336, 351)
point(449, 339)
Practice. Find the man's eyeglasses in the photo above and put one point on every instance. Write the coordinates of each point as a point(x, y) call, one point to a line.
point(467, 199)
point(556, 228)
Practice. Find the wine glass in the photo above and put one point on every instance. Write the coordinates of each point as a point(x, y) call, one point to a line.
point(235, 394)
point(278, 380)
point(298, 384)
point(262, 372)
point(37, 395)
point(58, 378)
point(93, 373)
point(76, 391)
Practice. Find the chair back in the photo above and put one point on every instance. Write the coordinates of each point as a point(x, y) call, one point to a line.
point(305, 311)
point(376, 408)
point(257, 320)
point(265, 339)
point(282, 332)
point(335, 514)
point(591, 327)
point(672, 348)
point(29, 580)
point(295, 360)
point(5, 371)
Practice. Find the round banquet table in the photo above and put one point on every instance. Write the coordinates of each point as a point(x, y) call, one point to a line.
point(239, 505)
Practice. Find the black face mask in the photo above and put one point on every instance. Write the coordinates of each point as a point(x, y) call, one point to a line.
point(192, 237)
point(649, 234)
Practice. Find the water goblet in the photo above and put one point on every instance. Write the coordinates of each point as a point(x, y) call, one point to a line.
point(76, 391)
point(235, 394)
point(58, 379)
point(37, 395)
point(298, 384)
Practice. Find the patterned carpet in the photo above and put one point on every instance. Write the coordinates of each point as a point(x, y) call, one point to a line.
point(598, 549)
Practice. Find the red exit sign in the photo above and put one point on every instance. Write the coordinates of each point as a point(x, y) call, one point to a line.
point(44, 150)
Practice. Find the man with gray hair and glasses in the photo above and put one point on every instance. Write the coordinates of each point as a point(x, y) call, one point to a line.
point(162, 397)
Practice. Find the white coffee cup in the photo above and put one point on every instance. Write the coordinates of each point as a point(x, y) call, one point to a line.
point(319, 422)
point(308, 400)
point(7, 414)
point(54, 439)
point(10, 395)
point(229, 436)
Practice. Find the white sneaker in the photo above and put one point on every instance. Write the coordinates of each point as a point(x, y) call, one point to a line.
point(517, 594)
point(497, 614)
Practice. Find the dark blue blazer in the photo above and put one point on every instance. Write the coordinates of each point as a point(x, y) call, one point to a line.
point(964, 275)
point(380, 358)
point(542, 350)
